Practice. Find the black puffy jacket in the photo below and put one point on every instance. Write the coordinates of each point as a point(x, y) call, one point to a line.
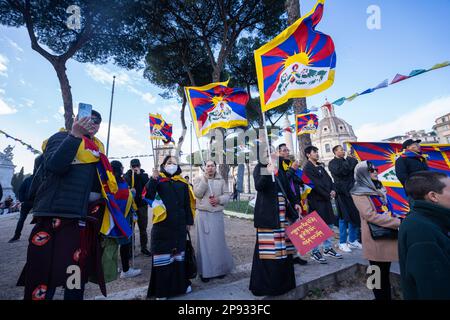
point(405, 167)
point(64, 185)
point(140, 180)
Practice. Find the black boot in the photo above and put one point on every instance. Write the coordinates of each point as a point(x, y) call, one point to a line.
point(300, 261)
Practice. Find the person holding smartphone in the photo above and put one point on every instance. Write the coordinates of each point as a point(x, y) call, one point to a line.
point(64, 190)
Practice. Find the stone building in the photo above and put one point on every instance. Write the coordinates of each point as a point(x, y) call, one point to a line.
point(442, 128)
point(426, 137)
point(332, 131)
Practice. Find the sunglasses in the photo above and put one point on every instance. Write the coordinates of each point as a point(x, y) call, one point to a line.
point(372, 170)
point(96, 120)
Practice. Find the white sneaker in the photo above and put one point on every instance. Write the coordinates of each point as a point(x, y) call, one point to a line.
point(344, 247)
point(355, 245)
point(189, 290)
point(130, 273)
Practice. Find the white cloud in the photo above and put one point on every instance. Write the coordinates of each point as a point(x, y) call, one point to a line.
point(148, 97)
point(170, 109)
point(5, 108)
point(122, 139)
point(15, 45)
point(39, 121)
point(3, 65)
point(105, 76)
point(421, 118)
point(28, 102)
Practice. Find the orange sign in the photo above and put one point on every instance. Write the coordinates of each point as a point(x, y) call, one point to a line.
point(308, 233)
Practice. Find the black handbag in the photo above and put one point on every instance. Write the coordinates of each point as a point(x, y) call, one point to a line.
point(381, 233)
point(189, 259)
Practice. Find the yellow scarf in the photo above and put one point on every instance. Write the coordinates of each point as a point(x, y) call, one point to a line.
point(161, 215)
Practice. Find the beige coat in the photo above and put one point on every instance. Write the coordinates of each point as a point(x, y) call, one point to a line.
point(379, 250)
point(202, 193)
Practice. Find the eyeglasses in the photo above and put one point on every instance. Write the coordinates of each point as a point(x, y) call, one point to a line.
point(96, 120)
point(372, 170)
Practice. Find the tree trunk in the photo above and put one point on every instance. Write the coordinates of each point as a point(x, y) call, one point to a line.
point(66, 92)
point(299, 104)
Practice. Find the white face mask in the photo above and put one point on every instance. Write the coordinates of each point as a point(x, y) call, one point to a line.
point(171, 168)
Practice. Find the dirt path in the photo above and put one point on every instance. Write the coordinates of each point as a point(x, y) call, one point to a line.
point(240, 238)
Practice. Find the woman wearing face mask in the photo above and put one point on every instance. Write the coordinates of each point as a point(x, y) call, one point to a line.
point(171, 220)
point(214, 258)
point(369, 197)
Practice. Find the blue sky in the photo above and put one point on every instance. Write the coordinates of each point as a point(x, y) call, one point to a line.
point(413, 35)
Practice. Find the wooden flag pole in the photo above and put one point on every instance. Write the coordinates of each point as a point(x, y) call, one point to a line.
point(268, 144)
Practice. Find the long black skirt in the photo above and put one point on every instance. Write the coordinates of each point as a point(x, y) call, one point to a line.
point(168, 278)
point(273, 269)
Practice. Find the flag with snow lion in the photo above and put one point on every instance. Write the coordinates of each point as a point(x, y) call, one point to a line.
point(307, 123)
point(159, 128)
point(299, 62)
point(217, 106)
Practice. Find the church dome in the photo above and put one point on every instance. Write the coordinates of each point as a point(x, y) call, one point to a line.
point(331, 131)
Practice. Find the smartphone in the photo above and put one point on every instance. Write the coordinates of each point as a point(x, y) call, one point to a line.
point(84, 110)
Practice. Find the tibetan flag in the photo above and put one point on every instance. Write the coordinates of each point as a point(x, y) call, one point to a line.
point(307, 123)
point(299, 62)
point(217, 106)
point(384, 155)
point(159, 128)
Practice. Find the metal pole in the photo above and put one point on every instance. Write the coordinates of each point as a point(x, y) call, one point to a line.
point(191, 157)
point(110, 115)
point(268, 145)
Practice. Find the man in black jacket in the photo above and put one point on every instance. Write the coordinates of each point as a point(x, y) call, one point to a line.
point(63, 190)
point(424, 238)
point(410, 161)
point(320, 200)
point(342, 171)
point(137, 179)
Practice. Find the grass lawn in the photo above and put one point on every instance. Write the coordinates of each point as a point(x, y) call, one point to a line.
point(239, 206)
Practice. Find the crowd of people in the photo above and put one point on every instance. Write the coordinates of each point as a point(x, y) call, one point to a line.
point(74, 186)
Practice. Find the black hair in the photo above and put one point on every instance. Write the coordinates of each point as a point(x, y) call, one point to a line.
point(166, 158)
point(420, 183)
point(335, 148)
point(186, 177)
point(310, 149)
point(96, 114)
point(281, 146)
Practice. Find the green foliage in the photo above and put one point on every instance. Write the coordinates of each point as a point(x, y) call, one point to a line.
point(239, 206)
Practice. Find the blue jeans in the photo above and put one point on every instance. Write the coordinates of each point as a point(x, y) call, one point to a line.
point(353, 231)
point(327, 244)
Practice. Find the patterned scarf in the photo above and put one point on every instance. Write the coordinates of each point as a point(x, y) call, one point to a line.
point(92, 151)
point(381, 206)
point(158, 208)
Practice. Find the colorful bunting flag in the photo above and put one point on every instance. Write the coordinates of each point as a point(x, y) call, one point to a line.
point(417, 72)
point(384, 155)
point(299, 62)
point(217, 106)
point(307, 123)
point(352, 97)
point(398, 77)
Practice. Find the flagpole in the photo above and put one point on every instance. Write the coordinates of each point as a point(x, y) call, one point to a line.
point(198, 143)
point(110, 115)
point(191, 157)
point(268, 144)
